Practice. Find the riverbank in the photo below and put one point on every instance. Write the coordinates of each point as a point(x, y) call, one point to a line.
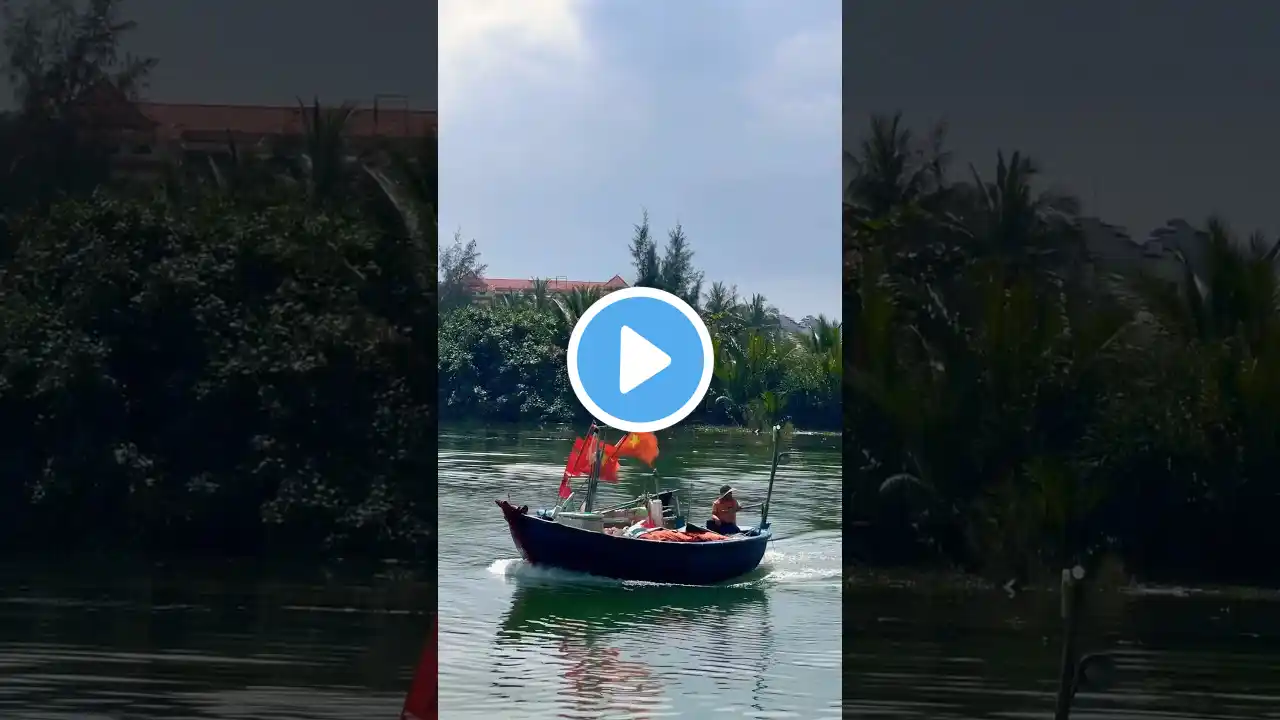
point(568, 429)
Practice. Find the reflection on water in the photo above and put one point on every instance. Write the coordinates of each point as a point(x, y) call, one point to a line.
point(979, 654)
point(85, 643)
point(584, 624)
point(524, 642)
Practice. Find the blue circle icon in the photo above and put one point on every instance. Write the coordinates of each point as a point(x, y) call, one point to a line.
point(640, 359)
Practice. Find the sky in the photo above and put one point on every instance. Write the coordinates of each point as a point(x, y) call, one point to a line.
point(274, 52)
point(1146, 109)
point(562, 121)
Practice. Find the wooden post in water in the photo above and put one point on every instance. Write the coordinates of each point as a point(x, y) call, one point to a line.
point(1072, 594)
point(773, 472)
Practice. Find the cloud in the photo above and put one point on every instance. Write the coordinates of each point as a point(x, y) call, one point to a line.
point(524, 89)
point(561, 119)
point(488, 47)
point(797, 91)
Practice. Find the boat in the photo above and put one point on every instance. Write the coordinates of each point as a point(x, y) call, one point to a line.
point(605, 542)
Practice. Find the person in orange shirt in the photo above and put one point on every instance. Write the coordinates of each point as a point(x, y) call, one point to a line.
point(724, 513)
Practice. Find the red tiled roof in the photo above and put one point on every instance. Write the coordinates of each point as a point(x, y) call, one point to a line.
point(178, 120)
point(514, 285)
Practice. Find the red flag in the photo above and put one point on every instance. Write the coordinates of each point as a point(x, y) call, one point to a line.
point(580, 460)
point(642, 446)
point(609, 468)
point(421, 703)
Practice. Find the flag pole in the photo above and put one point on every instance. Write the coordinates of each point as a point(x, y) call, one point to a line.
point(593, 480)
point(562, 503)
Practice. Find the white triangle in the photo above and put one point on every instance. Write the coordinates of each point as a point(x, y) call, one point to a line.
point(638, 361)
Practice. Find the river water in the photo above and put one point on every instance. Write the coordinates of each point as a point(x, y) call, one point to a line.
point(917, 648)
point(91, 641)
point(520, 642)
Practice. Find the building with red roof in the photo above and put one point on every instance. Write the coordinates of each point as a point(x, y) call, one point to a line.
point(489, 288)
point(149, 134)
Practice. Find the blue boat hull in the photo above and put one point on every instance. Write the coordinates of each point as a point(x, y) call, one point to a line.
point(550, 544)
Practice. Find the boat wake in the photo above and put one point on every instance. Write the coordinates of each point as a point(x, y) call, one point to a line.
point(517, 570)
point(799, 568)
point(777, 568)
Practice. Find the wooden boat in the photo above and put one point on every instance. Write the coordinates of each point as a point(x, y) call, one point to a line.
point(579, 541)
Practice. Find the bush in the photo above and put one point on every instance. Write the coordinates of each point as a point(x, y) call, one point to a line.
point(213, 377)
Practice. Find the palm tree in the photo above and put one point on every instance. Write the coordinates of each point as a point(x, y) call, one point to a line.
point(981, 407)
point(758, 314)
point(1228, 290)
point(823, 336)
point(539, 294)
point(1223, 319)
point(570, 306)
point(748, 375)
point(891, 169)
point(408, 185)
point(720, 299)
point(1008, 218)
point(512, 300)
point(243, 172)
point(898, 198)
point(404, 204)
point(322, 164)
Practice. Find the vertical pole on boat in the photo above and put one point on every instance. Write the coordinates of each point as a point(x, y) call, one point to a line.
point(594, 479)
point(773, 472)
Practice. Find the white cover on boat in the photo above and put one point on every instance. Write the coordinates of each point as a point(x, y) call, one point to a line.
point(655, 513)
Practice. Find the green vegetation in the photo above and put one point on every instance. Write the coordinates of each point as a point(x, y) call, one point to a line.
point(504, 359)
point(1014, 407)
point(234, 359)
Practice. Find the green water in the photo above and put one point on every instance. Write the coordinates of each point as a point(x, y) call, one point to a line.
point(91, 641)
point(913, 650)
point(521, 642)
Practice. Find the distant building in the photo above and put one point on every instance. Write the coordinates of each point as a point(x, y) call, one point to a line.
point(488, 288)
point(147, 135)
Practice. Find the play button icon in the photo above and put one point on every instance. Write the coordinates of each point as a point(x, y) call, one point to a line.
point(640, 360)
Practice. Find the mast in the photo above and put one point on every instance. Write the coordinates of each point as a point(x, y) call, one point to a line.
point(773, 471)
point(593, 479)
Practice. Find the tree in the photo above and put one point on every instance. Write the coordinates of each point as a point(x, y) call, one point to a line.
point(460, 270)
point(323, 165)
point(673, 270)
point(720, 299)
point(644, 256)
point(64, 62)
point(758, 314)
point(201, 377)
point(893, 170)
point(679, 276)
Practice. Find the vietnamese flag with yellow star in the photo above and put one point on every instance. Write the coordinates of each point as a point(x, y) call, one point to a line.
point(642, 446)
